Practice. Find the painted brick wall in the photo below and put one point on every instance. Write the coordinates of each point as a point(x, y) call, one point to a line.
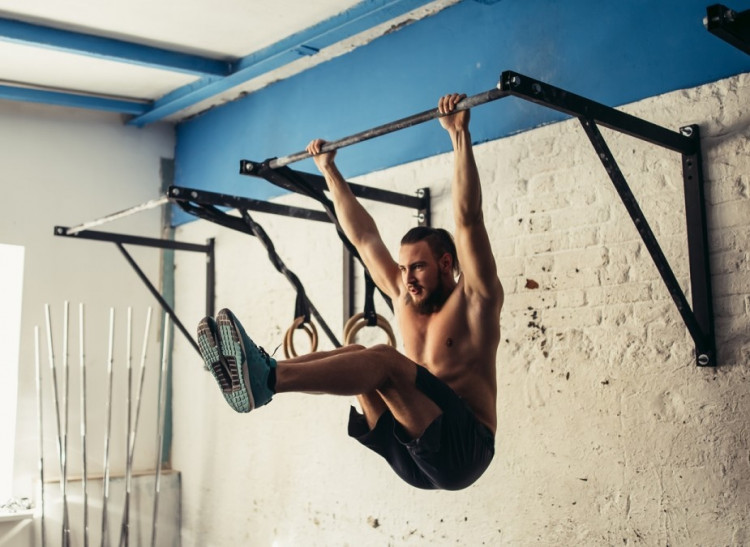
point(608, 432)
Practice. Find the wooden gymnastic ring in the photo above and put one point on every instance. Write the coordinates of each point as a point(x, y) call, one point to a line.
point(351, 322)
point(357, 322)
point(311, 331)
point(309, 328)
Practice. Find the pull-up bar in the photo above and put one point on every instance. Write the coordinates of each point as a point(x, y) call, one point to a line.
point(152, 204)
point(510, 84)
point(403, 123)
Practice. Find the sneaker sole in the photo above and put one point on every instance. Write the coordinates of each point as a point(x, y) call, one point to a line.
point(222, 365)
point(232, 348)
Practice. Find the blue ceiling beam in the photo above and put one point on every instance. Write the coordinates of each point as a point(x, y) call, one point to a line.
point(110, 49)
point(359, 18)
point(29, 95)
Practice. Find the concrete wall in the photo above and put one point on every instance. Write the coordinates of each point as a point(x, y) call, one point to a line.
point(608, 432)
point(63, 167)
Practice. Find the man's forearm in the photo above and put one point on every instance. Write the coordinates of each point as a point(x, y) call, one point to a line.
point(354, 219)
point(466, 191)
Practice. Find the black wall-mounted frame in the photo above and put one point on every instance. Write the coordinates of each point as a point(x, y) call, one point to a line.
point(699, 319)
point(123, 239)
point(731, 26)
point(280, 176)
point(287, 178)
point(199, 203)
point(212, 206)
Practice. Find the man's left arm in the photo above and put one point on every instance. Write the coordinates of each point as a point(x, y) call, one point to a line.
point(472, 240)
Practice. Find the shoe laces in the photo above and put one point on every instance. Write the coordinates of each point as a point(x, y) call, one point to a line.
point(263, 353)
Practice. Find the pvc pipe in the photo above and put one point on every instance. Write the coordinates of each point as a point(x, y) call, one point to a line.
point(160, 425)
point(66, 410)
point(108, 423)
point(125, 529)
point(84, 470)
point(55, 398)
point(40, 414)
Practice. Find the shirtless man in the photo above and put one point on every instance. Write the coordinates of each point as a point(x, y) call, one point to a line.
point(432, 412)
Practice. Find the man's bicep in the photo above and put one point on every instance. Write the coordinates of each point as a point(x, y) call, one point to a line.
point(477, 260)
point(379, 262)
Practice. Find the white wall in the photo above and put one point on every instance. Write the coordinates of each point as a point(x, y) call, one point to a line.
point(608, 432)
point(63, 167)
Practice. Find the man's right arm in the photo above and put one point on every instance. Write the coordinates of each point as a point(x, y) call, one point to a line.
point(357, 224)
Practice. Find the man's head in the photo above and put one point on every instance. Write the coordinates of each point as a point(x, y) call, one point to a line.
point(428, 264)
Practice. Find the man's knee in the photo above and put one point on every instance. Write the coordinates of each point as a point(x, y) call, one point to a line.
point(353, 347)
point(400, 369)
point(387, 352)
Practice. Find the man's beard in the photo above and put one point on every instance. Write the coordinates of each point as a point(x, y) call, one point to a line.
point(433, 301)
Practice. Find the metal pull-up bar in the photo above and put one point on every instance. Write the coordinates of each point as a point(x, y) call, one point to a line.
point(158, 202)
point(403, 123)
point(510, 84)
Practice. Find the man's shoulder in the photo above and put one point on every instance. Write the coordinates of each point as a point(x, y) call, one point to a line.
point(491, 297)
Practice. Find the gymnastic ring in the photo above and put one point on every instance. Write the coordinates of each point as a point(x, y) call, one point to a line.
point(311, 331)
point(353, 320)
point(350, 323)
point(309, 328)
point(357, 322)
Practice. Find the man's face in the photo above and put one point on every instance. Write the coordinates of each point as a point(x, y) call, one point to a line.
point(420, 273)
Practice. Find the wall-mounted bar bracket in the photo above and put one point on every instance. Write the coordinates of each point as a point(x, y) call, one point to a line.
point(699, 319)
point(207, 206)
point(314, 185)
point(123, 239)
point(182, 196)
point(729, 25)
point(286, 178)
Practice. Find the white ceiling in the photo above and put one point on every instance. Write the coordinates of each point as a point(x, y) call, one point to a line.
point(225, 30)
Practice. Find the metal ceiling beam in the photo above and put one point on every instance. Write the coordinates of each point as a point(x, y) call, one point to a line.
point(30, 95)
point(107, 48)
point(361, 17)
point(215, 76)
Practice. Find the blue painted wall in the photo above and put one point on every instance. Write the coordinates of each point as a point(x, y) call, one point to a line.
point(611, 51)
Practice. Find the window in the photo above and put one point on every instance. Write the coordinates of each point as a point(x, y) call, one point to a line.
point(11, 285)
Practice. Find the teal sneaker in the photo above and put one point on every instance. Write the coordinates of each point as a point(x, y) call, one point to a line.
point(239, 366)
point(225, 373)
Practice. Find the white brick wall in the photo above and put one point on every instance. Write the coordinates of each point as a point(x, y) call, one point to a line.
point(608, 432)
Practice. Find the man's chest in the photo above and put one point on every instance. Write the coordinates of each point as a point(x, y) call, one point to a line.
point(437, 339)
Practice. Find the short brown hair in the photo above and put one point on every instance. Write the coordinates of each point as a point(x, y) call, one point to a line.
point(439, 240)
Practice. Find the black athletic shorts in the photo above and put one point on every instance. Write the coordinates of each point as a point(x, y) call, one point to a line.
point(451, 454)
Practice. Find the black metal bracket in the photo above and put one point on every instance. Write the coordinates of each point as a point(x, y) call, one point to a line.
point(280, 176)
point(729, 25)
point(123, 239)
point(314, 186)
point(178, 194)
point(699, 320)
point(206, 206)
